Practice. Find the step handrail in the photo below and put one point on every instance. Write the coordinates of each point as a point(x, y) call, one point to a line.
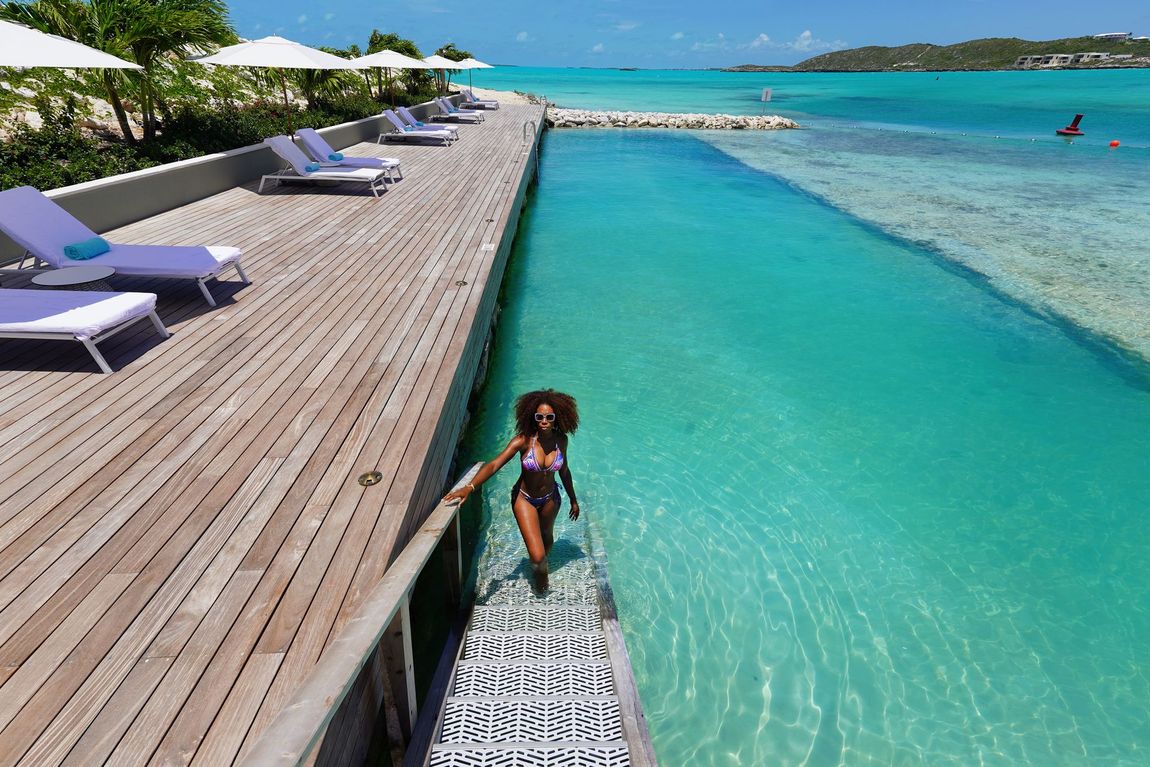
point(292, 735)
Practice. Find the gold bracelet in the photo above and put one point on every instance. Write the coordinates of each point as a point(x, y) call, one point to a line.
point(471, 486)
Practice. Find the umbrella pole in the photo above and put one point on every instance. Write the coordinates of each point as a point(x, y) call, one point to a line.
point(283, 86)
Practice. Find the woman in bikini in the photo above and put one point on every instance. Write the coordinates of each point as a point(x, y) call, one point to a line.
point(543, 421)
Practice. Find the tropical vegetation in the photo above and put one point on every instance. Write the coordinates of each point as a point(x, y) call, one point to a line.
point(171, 108)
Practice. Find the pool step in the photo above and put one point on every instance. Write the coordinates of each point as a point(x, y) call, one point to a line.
point(533, 688)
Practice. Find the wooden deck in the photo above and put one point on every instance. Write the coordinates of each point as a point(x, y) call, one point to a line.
point(181, 539)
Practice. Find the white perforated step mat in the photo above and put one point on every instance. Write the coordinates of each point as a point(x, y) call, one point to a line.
point(559, 755)
point(495, 680)
point(500, 646)
point(531, 721)
point(542, 618)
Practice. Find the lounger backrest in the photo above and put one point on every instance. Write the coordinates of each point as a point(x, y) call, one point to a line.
point(289, 153)
point(406, 114)
point(39, 225)
point(444, 104)
point(314, 144)
point(393, 118)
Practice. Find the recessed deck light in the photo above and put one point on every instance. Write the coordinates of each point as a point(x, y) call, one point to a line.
point(371, 478)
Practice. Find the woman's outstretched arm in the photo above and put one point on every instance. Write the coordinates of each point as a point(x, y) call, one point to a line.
point(487, 471)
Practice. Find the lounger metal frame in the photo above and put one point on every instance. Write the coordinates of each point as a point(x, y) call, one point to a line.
point(201, 282)
point(375, 184)
point(90, 343)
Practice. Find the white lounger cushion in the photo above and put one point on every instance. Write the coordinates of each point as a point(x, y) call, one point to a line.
point(80, 314)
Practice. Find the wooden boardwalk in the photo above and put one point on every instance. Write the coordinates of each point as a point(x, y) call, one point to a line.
point(181, 539)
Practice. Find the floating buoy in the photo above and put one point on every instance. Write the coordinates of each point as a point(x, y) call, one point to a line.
point(1114, 144)
point(1072, 128)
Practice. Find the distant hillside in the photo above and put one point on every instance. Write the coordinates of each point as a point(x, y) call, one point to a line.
point(988, 53)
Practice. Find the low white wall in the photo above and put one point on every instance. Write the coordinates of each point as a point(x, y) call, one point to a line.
point(114, 201)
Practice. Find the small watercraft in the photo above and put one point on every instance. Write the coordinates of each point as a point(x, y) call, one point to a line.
point(1072, 128)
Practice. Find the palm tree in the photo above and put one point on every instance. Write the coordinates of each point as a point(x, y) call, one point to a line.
point(413, 78)
point(448, 51)
point(97, 24)
point(148, 31)
point(159, 29)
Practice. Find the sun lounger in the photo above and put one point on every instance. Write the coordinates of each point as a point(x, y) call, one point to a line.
point(319, 149)
point(469, 101)
point(451, 112)
point(44, 229)
point(406, 132)
point(74, 315)
point(409, 119)
point(298, 168)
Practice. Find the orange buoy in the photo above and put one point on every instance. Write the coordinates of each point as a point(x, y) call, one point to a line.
point(1114, 144)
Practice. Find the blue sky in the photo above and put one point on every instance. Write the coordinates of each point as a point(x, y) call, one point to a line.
point(678, 33)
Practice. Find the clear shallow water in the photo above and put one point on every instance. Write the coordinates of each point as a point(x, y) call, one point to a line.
point(966, 165)
point(860, 507)
point(1018, 104)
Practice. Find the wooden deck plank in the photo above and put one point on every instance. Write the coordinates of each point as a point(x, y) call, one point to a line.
point(213, 475)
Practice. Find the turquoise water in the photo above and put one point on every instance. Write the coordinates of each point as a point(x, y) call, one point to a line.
point(862, 504)
point(1019, 104)
point(1060, 225)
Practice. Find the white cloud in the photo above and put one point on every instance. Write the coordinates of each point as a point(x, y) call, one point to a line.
point(522, 37)
point(808, 43)
point(677, 36)
point(597, 48)
point(626, 26)
point(804, 43)
point(717, 43)
point(301, 19)
point(328, 16)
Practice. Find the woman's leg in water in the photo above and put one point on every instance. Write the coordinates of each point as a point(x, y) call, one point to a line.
point(547, 516)
point(528, 519)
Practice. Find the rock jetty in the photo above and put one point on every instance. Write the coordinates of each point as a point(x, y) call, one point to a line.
point(582, 118)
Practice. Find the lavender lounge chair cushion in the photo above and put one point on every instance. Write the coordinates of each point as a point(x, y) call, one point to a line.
point(44, 229)
point(81, 314)
point(318, 148)
point(393, 118)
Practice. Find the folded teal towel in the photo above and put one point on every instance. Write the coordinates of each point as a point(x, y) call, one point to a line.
point(407, 127)
point(82, 251)
point(335, 156)
point(418, 124)
point(312, 167)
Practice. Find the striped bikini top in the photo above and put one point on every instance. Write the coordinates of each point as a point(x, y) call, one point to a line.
point(531, 464)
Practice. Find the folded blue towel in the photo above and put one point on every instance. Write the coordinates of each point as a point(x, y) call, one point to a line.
point(335, 156)
point(418, 124)
point(312, 167)
point(82, 251)
point(407, 127)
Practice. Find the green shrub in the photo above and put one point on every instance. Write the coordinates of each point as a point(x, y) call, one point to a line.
point(56, 154)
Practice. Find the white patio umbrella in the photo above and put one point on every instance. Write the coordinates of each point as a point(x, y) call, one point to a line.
point(22, 46)
point(470, 64)
point(388, 60)
point(441, 63)
point(276, 53)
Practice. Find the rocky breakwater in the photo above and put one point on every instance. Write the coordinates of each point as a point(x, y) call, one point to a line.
point(582, 118)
